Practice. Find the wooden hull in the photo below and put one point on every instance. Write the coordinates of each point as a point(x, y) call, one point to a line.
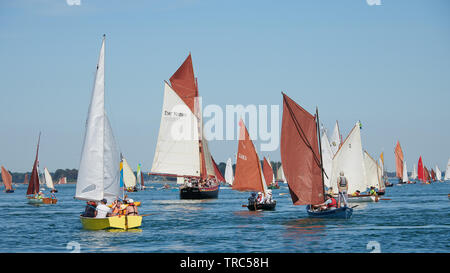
point(340, 213)
point(271, 206)
point(115, 222)
point(199, 193)
point(46, 201)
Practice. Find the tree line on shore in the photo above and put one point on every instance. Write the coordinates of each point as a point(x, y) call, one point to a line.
point(72, 174)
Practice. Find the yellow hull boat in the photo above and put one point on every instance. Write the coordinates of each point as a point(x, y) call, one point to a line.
point(115, 222)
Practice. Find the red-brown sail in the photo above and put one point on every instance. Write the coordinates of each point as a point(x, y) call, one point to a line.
point(7, 179)
point(300, 154)
point(433, 175)
point(268, 172)
point(219, 175)
point(248, 176)
point(25, 180)
point(184, 83)
point(420, 170)
point(427, 174)
point(399, 160)
point(33, 185)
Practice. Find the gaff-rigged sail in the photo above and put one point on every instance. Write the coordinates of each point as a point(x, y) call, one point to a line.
point(438, 174)
point(420, 170)
point(398, 160)
point(248, 173)
point(268, 172)
point(300, 154)
point(7, 179)
point(48, 179)
point(336, 140)
point(405, 172)
point(33, 184)
point(217, 172)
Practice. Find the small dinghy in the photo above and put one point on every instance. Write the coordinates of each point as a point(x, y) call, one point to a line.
point(339, 213)
point(252, 206)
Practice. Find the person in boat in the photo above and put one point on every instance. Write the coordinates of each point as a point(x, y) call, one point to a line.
point(268, 198)
point(330, 191)
point(102, 210)
point(260, 198)
point(39, 195)
point(342, 185)
point(252, 198)
point(330, 203)
point(131, 208)
point(116, 208)
point(372, 191)
point(54, 191)
point(89, 211)
point(356, 193)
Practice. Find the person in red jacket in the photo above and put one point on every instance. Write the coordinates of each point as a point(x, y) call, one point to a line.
point(328, 204)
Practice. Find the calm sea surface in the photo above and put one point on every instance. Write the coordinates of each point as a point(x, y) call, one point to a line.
point(416, 219)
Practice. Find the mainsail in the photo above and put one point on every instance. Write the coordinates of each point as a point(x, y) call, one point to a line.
point(350, 160)
point(405, 172)
point(98, 174)
point(48, 179)
point(300, 154)
point(373, 174)
point(433, 174)
point(447, 171)
point(438, 174)
point(335, 139)
point(398, 160)
point(217, 171)
point(327, 158)
point(268, 172)
point(248, 173)
point(427, 174)
point(414, 173)
point(420, 170)
point(33, 184)
point(229, 172)
point(7, 179)
point(129, 180)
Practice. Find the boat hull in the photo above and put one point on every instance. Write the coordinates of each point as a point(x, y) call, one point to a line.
point(362, 199)
point(9, 191)
point(271, 206)
point(340, 213)
point(115, 222)
point(199, 193)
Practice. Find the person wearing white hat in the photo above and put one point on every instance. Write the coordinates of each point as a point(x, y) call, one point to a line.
point(131, 208)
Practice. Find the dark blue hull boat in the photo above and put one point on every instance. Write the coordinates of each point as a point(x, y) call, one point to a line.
point(340, 213)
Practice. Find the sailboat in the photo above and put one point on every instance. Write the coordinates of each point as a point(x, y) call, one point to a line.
point(447, 171)
point(350, 160)
point(433, 175)
point(438, 174)
point(25, 180)
point(421, 171)
point(33, 194)
point(427, 175)
point(219, 176)
point(49, 181)
point(399, 163)
point(182, 149)
point(302, 162)
point(98, 174)
point(7, 180)
point(62, 180)
point(327, 158)
point(229, 178)
point(414, 173)
point(373, 175)
point(280, 175)
point(268, 175)
point(248, 174)
point(405, 178)
point(129, 180)
point(384, 175)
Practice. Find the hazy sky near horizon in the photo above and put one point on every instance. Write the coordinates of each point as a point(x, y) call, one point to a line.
point(387, 65)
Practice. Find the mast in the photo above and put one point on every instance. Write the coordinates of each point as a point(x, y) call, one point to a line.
point(320, 150)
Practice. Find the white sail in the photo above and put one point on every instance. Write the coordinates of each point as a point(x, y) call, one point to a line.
point(349, 159)
point(273, 174)
point(414, 173)
point(48, 179)
point(335, 139)
point(177, 150)
point(381, 186)
point(129, 180)
point(405, 172)
point(327, 158)
point(180, 180)
point(380, 163)
point(208, 161)
point(438, 174)
point(98, 174)
point(372, 173)
point(447, 171)
point(229, 172)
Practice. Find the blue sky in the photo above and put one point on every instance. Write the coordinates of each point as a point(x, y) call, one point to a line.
point(386, 65)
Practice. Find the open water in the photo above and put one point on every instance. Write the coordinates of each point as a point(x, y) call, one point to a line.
point(415, 219)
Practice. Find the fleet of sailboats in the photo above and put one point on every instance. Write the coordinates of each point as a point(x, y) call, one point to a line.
point(7, 180)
